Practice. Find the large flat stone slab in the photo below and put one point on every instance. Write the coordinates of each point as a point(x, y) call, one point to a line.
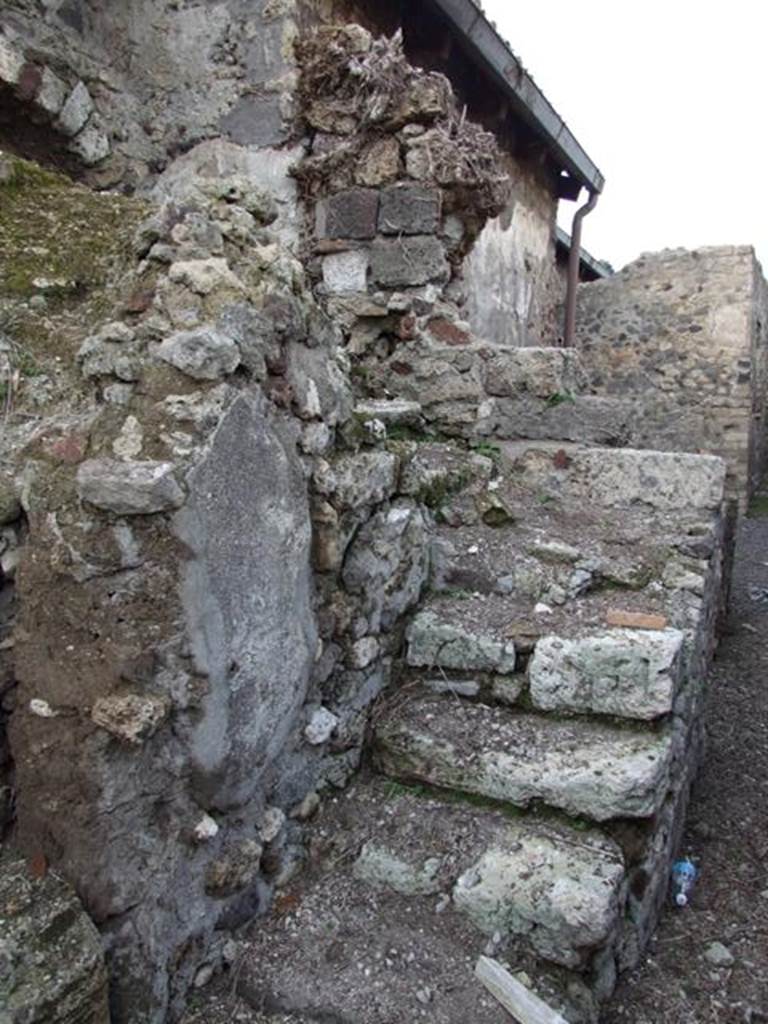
point(584, 768)
point(626, 672)
point(619, 477)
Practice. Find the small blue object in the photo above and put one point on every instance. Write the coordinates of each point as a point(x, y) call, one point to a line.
point(684, 875)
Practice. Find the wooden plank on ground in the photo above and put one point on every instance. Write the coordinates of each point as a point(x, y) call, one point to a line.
point(524, 1005)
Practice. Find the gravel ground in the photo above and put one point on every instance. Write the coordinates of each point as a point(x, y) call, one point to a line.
point(727, 836)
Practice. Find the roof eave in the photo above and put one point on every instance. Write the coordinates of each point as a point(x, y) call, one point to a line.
point(524, 95)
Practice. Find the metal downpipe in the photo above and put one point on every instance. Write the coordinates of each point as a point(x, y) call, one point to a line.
point(574, 260)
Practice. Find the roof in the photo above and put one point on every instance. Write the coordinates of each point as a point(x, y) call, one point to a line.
point(524, 96)
point(589, 267)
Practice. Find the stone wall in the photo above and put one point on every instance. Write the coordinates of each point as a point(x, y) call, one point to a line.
point(509, 290)
point(684, 335)
point(220, 562)
point(512, 291)
point(112, 92)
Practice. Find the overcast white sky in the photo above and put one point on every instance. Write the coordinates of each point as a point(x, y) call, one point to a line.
point(670, 99)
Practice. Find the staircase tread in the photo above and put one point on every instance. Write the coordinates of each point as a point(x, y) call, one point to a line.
point(513, 618)
point(584, 767)
point(338, 948)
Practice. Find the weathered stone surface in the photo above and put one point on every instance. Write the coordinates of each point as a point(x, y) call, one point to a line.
point(408, 262)
point(543, 372)
point(256, 120)
point(131, 717)
point(11, 61)
point(52, 92)
point(353, 481)
point(91, 145)
point(627, 673)
point(348, 214)
point(237, 869)
point(563, 897)
point(346, 272)
point(426, 98)
point(246, 596)
point(611, 477)
point(435, 470)
point(213, 163)
point(204, 354)
point(409, 210)
point(432, 643)
point(320, 389)
point(129, 488)
point(78, 107)
point(321, 726)
point(111, 352)
point(387, 564)
point(205, 276)
point(51, 959)
point(379, 163)
point(580, 767)
point(378, 866)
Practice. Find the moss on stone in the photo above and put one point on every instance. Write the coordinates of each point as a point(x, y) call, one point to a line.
point(66, 260)
point(54, 230)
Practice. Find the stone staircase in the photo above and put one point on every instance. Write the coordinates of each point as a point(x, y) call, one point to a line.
point(529, 771)
point(475, 390)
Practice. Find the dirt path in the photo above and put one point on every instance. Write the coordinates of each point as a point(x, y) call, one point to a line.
point(727, 835)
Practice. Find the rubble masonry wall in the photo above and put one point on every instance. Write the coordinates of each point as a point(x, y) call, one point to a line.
point(684, 334)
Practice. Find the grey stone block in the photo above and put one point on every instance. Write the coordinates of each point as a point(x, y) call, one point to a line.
point(129, 488)
point(432, 643)
point(256, 120)
point(348, 214)
point(76, 110)
point(566, 907)
point(205, 354)
point(630, 673)
point(409, 210)
point(408, 262)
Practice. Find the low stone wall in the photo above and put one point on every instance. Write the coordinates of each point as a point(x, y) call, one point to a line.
point(683, 334)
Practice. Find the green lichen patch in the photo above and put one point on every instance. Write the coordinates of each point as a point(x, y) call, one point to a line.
point(57, 238)
point(66, 261)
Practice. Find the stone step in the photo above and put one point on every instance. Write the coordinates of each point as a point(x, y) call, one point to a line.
point(585, 419)
point(457, 384)
point(613, 478)
point(406, 891)
point(585, 768)
point(628, 673)
point(556, 889)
